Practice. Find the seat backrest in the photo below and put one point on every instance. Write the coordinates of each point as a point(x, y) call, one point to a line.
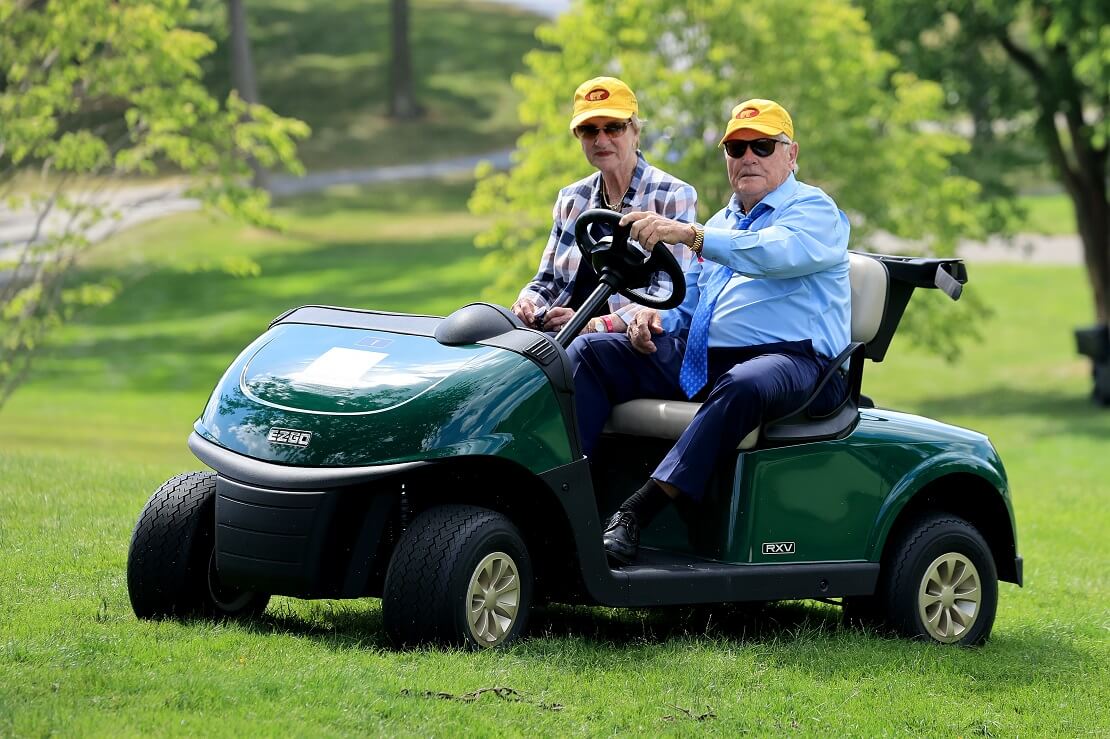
point(870, 288)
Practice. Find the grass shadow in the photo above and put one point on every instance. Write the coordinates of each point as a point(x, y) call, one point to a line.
point(194, 323)
point(345, 624)
point(807, 636)
point(1063, 411)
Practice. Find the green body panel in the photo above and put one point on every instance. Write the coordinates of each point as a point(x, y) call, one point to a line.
point(834, 500)
point(372, 397)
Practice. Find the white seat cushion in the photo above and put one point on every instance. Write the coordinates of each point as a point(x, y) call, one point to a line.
point(660, 419)
point(667, 419)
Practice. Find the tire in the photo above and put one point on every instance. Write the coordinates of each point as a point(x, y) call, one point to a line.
point(443, 565)
point(171, 564)
point(940, 583)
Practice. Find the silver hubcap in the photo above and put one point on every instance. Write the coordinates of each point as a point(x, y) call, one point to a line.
point(493, 600)
point(948, 599)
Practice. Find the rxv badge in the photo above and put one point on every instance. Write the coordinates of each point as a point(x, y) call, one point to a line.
point(289, 436)
point(778, 547)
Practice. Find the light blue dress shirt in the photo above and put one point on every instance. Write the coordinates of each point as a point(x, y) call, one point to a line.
point(790, 280)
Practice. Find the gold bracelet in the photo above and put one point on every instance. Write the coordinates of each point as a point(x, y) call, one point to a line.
point(699, 240)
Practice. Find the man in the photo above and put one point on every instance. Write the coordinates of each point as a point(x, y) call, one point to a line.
point(605, 119)
point(767, 307)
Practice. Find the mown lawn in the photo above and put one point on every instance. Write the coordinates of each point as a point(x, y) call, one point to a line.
point(105, 419)
point(463, 54)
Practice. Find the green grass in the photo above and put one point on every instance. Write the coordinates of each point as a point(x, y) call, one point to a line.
point(328, 64)
point(1051, 215)
point(105, 419)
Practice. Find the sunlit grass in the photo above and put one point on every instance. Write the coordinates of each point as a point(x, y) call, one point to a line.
point(1051, 215)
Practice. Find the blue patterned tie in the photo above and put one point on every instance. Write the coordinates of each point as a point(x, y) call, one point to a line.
point(695, 363)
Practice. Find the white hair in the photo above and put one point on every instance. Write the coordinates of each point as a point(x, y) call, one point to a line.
point(787, 140)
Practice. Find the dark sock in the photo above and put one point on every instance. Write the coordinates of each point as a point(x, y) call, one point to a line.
point(646, 502)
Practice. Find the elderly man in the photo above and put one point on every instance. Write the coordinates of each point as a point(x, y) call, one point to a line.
point(767, 307)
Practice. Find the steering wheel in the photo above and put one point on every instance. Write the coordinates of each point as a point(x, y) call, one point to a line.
point(622, 266)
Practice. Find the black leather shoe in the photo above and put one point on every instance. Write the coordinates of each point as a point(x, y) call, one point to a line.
point(622, 536)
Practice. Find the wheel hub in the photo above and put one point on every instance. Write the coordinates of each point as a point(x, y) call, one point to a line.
point(948, 599)
point(494, 599)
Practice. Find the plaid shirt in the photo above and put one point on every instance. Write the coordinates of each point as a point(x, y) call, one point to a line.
point(651, 189)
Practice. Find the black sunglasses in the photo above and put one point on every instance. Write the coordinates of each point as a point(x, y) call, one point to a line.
point(590, 131)
point(762, 148)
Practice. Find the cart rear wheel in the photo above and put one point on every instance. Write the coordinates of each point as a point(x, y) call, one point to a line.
point(459, 575)
point(171, 564)
point(941, 583)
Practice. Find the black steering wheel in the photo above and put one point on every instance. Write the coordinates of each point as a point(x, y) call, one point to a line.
point(622, 266)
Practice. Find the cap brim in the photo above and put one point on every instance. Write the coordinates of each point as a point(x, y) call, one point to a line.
point(623, 113)
point(760, 127)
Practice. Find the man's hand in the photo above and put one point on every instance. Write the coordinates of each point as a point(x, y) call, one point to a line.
point(649, 229)
point(556, 318)
point(525, 310)
point(645, 324)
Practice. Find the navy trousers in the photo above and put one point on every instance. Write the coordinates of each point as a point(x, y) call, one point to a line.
point(746, 386)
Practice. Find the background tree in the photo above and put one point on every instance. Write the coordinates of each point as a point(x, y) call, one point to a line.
point(857, 120)
point(402, 84)
point(96, 90)
point(242, 69)
point(1027, 72)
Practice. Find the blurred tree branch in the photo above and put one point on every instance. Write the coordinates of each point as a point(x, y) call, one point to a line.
point(94, 91)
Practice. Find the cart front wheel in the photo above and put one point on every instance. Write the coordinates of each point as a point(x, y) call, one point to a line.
point(459, 575)
point(171, 564)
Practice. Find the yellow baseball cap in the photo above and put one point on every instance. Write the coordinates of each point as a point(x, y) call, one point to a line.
point(605, 97)
point(765, 116)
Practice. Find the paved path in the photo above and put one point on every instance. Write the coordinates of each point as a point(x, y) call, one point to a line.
point(141, 203)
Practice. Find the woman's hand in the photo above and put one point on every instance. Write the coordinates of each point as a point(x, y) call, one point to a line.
point(525, 310)
point(556, 318)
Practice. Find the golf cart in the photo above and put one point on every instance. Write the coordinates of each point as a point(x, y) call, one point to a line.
point(435, 463)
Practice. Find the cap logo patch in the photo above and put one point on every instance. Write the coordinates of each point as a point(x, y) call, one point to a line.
point(747, 113)
point(598, 93)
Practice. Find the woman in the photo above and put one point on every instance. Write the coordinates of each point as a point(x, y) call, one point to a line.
point(606, 122)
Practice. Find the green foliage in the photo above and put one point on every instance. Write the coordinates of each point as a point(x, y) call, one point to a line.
point(858, 120)
point(96, 89)
point(1034, 78)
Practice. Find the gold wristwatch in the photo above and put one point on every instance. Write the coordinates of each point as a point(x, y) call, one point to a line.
point(699, 240)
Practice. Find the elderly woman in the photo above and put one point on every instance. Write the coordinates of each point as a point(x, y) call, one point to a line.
point(606, 123)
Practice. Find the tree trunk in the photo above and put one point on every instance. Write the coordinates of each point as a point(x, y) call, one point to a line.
point(402, 90)
point(1086, 185)
point(1081, 167)
point(242, 71)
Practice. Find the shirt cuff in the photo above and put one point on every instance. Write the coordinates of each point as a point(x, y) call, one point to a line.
point(539, 300)
point(669, 319)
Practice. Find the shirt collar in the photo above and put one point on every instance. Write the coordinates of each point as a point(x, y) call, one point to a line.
point(771, 200)
point(633, 184)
